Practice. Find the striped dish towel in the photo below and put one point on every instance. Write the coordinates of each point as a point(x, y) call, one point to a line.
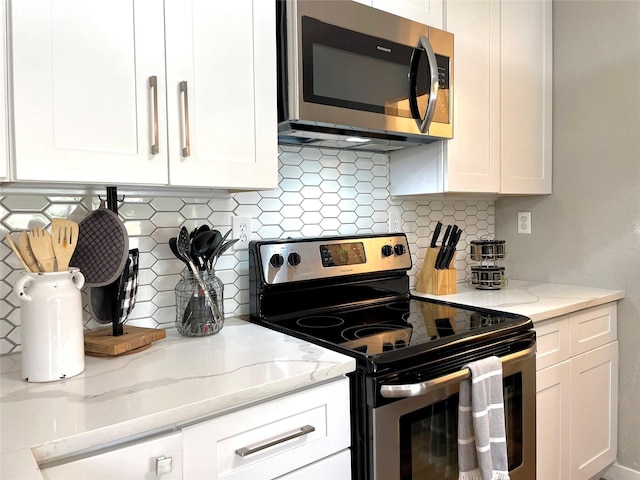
point(482, 446)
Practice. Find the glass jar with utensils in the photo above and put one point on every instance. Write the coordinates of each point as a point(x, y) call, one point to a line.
point(199, 305)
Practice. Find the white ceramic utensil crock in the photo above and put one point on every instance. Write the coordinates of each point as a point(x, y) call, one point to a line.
point(52, 331)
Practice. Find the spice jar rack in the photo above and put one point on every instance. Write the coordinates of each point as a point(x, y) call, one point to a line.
point(488, 275)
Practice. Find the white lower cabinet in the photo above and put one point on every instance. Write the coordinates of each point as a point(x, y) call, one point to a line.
point(577, 394)
point(302, 435)
point(159, 457)
point(275, 438)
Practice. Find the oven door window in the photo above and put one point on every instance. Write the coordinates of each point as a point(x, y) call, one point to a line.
point(429, 436)
point(348, 69)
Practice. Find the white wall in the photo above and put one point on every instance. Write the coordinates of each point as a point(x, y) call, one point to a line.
point(588, 231)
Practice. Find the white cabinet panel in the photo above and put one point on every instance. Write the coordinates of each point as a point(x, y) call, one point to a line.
point(221, 79)
point(553, 392)
point(336, 467)
point(429, 12)
point(526, 95)
point(593, 328)
point(211, 448)
point(150, 459)
point(594, 411)
point(4, 133)
point(553, 342)
point(82, 92)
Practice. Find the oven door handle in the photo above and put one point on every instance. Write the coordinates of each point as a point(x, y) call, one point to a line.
point(417, 389)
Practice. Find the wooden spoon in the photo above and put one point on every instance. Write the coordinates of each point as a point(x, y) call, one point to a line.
point(40, 241)
point(25, 251)
point(17, 252)
point(64, 237)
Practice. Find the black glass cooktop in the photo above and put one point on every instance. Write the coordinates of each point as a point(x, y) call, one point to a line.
point(399, 329)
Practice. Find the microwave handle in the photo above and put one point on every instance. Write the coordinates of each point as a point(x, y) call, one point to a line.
point(417, 389)
point(423, 123)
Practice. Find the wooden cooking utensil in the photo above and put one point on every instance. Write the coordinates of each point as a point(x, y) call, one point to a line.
point(40, 241)
point(25, 251)
point(17, 252)
point(64, 238)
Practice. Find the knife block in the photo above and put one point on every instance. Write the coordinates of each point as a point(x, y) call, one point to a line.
point(436, 282)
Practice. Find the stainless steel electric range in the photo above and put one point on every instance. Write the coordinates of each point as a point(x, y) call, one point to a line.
point(351, 294)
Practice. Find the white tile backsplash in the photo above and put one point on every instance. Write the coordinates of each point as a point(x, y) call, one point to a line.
point(321, 192)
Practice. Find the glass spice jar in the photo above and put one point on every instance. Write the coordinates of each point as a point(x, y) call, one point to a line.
point(199, 303)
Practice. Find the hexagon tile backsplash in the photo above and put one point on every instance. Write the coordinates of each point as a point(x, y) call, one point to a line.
point(321, 192)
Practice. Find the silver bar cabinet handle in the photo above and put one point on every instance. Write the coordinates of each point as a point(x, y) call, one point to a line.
point(417, 389)
point(186, 150)
point(153, 84)
point(246, 451)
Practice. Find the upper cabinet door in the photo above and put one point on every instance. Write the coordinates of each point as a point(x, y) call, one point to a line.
point(85, 107)
point(473, 155)
point(221, 93)
point(429, 12)
point(526, 96)
point(4, 134)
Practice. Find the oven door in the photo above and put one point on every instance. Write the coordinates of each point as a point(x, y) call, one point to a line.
point(416, 437)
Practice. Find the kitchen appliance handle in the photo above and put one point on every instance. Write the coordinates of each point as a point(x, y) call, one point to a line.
point(245, 451)
point(153, 85)
point(417, 389)
point(423, 123)
point(186, 150)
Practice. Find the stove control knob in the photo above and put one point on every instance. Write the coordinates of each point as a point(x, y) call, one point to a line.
point(399, 249)
point(387, 251)
point(294, 259)
point(276, 260)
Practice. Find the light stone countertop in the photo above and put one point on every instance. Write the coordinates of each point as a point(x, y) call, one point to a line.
point(537, 300)
point(176, 380)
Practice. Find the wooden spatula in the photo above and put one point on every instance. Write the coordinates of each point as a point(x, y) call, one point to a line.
point(25, 251)
point(40, 241)
point(64, 237)
point(17, 252)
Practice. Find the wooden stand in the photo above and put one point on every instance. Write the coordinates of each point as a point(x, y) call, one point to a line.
point(134, 339)
point(436, 282)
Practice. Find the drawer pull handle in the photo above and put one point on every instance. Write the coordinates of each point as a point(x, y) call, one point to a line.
point(186, 150)
point(153, 84)
point(246, 451)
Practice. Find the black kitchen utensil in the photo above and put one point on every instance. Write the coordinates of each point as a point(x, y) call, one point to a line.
point(173, 245)
point(436, 234)
point(451, 249)
point(201, 244)
point(223, 249)
point(443, 246)
point(183, 245)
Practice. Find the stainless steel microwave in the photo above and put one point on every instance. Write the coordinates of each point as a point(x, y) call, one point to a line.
point(354, 77)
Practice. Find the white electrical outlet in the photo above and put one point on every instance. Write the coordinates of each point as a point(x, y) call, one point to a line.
point(524, 222)
point(395, 219)
point(241, 231)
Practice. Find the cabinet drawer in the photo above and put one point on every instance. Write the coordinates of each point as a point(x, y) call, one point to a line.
point(553, 342)
point(159, 457)
point(270, 439)
point(336, 466)
point(593, 328)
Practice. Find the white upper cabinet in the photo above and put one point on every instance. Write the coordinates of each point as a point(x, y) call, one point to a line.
point(501, 108)
point(525, 96)
point(429, 12)
point(102, 95)
point(223, 121)
point(84, 108)
point(4, 133)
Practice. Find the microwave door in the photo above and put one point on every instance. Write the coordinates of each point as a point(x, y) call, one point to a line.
point(417, 95)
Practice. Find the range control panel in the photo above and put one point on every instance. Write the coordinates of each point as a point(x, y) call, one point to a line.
point(294, 260)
